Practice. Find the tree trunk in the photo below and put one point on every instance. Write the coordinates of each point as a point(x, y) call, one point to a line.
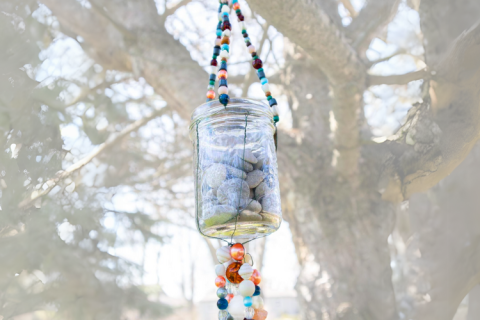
point(474, 304)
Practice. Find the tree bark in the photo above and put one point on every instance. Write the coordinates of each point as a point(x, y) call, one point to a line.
point(474, 304)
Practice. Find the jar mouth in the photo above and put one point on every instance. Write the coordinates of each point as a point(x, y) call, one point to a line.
point(236, 107)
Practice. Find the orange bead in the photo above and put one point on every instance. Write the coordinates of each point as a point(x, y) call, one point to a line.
point(220, 281)
point(225, 40)
point(222, 74)
point(260, 315)
point(237, 251)
point(211, 94)
point(236, 6)
point(232, 273)
point(229, 297)
point(256, 277)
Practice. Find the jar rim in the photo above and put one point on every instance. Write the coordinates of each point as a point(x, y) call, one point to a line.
point(212, 107)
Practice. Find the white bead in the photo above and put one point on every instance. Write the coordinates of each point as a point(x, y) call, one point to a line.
point(214, 70)
point(223, 90)
point(245, 271)
point(265, 87)
point(225, 9)
point(224, 54)
point(220, 270)
point(236, 308)
point(227, 263)
point(246, 288)
point(275, 111)
point(257, 303)
point(226, 33)
point(251, 48)
point(223, 254)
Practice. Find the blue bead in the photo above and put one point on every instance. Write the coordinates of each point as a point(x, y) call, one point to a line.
point(223, 83)
point(264, 81)
point(272, 102)
point(261, 74)
point(224, 98)
point(216, 50)
point(212, 77)
point(219, 32)
point(225, 14)
point(257, 291)
point(247, 301)
point(222, 304)
point(234, 1)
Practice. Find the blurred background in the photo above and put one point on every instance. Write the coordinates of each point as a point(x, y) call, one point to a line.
point(96, 177)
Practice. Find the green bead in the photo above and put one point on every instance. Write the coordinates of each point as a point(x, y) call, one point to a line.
point(276, 118)
point(255, 58)
point(261, 69)
point(212, 83)
point(269, 98)
point(244, 31)
point(238, 11)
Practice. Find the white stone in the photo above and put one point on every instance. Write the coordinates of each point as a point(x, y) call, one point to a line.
point(271, 203)
point(215, 175)
point(233, 192)
point(254, 178)
point(262, 190)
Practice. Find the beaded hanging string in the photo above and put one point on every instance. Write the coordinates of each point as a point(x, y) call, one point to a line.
point(237, 281)
point(222, 49)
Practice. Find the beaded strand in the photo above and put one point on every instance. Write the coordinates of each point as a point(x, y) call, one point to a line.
point(222, 48)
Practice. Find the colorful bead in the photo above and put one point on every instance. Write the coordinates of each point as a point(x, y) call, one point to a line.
point(229, 297)
point(269, 97)
point(225, 40)
point(272, 102)
point(264, 81)
point(257, 291)
point(268, 94)
point(214, 62)
point(236, 6)
point(211, 94)
point(220, 281)
point(223, 66)
point(232, 269)
point(257, 63)
point(225, 47)
point(223, 90)
point(211, 82)
point(219, 32)
point(216, 50)
point(246, 288)
point(276, 118)
point(247, 302)
point(222, 292)
point(261, 74)
point(222, 304)
point(212, 77)
point(224, 99)
point(222, 74)
point(223, 83)
point(226, 25)
point(237, 251)
point(241, 17)
point(256, 278)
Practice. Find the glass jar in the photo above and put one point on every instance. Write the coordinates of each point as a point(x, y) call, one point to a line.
point(237, 194)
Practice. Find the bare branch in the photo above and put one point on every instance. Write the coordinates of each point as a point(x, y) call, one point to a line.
point(396, 53)
point(169, 11)
point(112, 140)
point(375, 15)
point(374, 80)
point(348, 5)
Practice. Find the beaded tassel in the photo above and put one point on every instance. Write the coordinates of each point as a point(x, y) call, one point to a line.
point(239, 294)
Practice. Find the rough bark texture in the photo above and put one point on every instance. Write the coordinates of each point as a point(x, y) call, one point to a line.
point(337, 194)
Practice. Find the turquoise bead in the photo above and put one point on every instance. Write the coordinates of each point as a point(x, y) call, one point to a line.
point(247, 39)
point(276, 118)
point(247, 301)
point(225, 47)
point(219, 32)
point(264, 81)
point(234, 1)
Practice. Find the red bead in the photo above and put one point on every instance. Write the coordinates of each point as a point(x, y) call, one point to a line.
point(229, 297)
point(257, 63)
point(256, 277)
point(241, 17)
point(211, 94)
point(214, 62)
point(222, 74)
point(226, 25)
point(232, 273)
point(237, 251)
point(220, 281)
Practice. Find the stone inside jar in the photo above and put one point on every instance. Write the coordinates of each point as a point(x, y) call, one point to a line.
point(237, 183)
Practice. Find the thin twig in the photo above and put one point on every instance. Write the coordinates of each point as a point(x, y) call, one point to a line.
point(398, 79)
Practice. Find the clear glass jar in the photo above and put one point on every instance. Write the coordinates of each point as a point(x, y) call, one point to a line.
point(237, 194)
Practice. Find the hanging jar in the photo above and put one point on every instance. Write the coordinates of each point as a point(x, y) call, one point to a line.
point(237, 191)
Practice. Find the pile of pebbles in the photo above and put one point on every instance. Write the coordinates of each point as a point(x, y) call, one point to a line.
point(238, 182)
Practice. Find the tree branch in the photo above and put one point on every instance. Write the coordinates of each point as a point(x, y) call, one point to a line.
point(374, 80)
point(440, 132)
point(112, 140)
point(348, 5)
point(375, 15)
